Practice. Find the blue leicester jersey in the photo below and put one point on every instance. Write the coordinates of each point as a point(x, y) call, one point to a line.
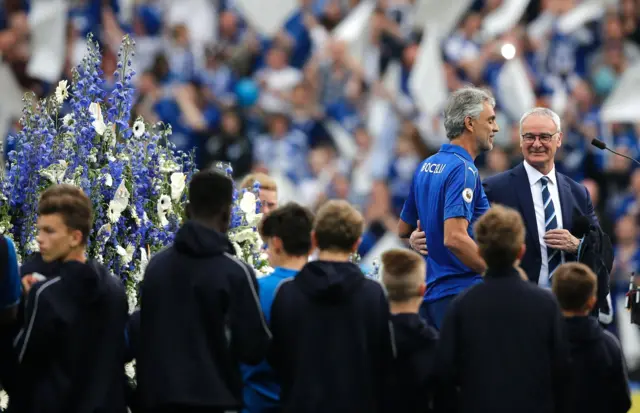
point(445, 185)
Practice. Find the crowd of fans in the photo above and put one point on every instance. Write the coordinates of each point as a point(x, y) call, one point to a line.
point(198, 60)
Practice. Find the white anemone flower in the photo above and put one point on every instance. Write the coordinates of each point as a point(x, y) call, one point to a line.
point(67, 120)
point(62, 91)
point(138, 128)
point(164, 203)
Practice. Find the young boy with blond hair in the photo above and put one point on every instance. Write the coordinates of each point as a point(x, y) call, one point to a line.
point(410, 384)
point(599, 380)
point(331, 337)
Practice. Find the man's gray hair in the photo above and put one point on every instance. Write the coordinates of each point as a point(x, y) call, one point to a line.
point(544, 112)
point(465, 102)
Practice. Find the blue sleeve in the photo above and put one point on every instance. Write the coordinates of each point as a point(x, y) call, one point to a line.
point(10, 288)
point(409, 212)
point(459, 191)
point(266, 296)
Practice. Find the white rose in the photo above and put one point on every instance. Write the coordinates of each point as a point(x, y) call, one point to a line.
point(130, 370)
point(177, 185)
point(248, 203)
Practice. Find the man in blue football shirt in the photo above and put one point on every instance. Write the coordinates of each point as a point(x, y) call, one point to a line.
point(446, 199)
point(287, 232)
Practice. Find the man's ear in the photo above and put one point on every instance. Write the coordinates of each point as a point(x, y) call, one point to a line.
point(277, 244)
point(76, 238)
point(314, 241)
point(523, 249)
point(355, 247)
point(422, 289)
point(591, 302)
point(468, 123)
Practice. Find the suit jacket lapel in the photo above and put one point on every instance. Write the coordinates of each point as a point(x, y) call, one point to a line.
point(523, 189)
point(564, 190)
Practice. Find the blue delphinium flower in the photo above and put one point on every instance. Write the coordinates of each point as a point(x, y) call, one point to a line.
point(127, 175)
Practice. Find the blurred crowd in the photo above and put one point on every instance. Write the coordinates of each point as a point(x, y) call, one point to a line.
point(272, 104)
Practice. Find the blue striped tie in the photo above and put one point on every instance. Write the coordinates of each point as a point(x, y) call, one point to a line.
point(550, 222)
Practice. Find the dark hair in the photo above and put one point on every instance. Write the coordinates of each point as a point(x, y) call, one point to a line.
point(292, 223)
point(338, 226)
point(500, 235)
point(210, 195)
point(72, 204)
point(573, 284)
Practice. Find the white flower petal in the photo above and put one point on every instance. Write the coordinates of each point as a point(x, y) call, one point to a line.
point(138, 128)
point(178, 180)
point(98, 122)
point(248, 203)
point(62, 92)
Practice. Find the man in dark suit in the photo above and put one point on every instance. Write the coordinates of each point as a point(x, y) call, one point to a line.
point(548, 201)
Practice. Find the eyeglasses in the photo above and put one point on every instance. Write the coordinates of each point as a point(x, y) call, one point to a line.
point(544, 137)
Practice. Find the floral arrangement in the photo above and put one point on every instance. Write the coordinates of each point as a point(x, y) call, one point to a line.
point(83, 136)
point(243, 231)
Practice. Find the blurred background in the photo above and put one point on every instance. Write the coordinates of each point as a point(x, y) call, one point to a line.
point(343, 98)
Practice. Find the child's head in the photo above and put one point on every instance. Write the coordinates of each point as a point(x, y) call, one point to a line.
point(337, 228)
point(65, 218)
point(403, 274)
point(500, 237)
point(287, 232)
point(268, 193)
point(575, 287)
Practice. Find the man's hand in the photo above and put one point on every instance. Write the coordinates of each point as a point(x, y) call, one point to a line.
point(29, 280)
point(561, 239)
point(418, 240)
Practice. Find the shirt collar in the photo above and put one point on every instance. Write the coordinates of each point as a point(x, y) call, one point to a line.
point(284, 272)
point(457, 149)
point(534, 175)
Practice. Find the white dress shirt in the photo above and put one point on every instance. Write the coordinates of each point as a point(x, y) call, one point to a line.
point(536, 192)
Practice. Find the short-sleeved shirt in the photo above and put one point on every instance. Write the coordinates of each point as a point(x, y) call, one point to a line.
point(10, 288)
point(445, 185)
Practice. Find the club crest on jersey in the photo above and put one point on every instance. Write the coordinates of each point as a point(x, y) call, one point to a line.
point(467, 195)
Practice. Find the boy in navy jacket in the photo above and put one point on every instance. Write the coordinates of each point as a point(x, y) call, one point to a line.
point(200, 313)
point(410, 384)
point(71, 346)
point(599, 375)
point(331, 337)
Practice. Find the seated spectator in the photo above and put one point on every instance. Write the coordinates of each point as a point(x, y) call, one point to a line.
point(277, 81)
point(282, 150)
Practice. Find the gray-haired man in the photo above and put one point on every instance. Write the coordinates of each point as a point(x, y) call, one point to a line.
point(447, 197)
